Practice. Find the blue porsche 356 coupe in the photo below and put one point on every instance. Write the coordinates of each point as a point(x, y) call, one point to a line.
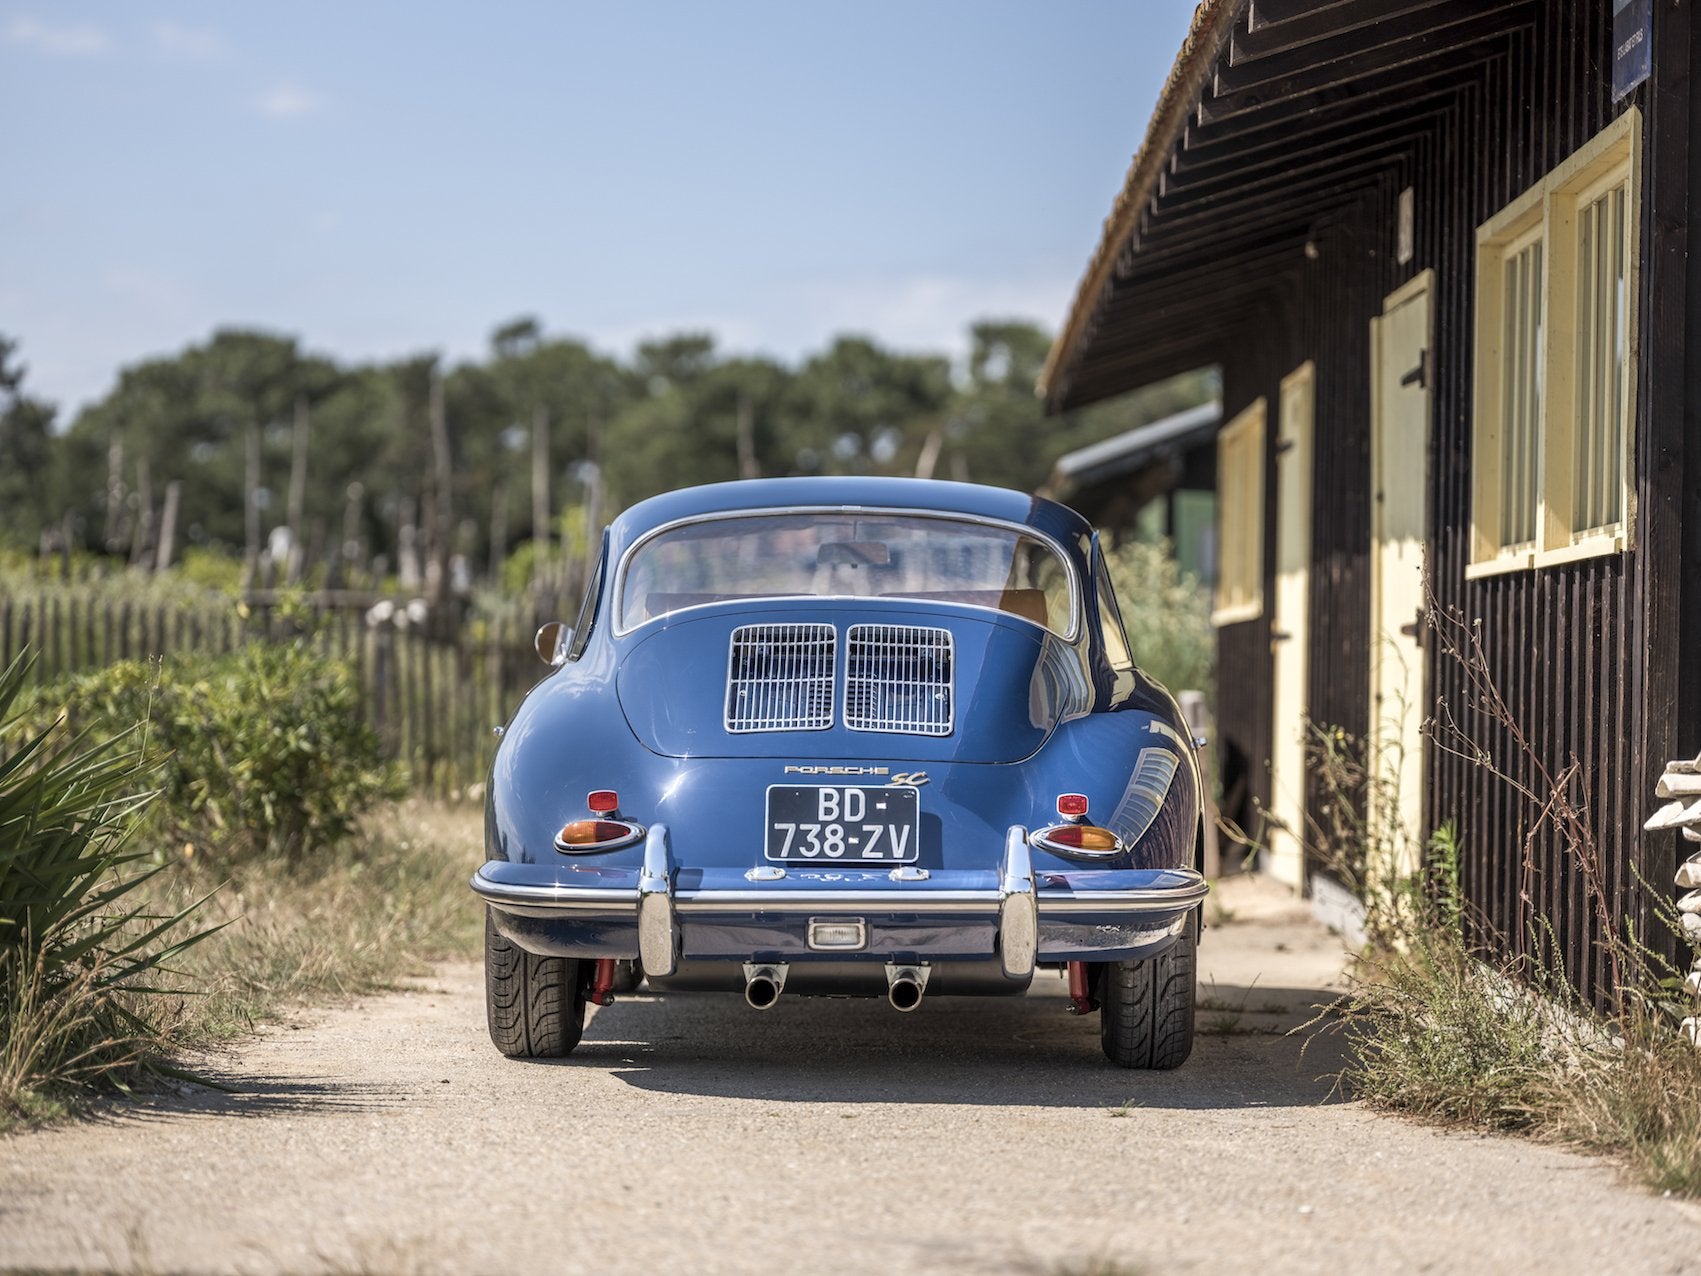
point(851, 737)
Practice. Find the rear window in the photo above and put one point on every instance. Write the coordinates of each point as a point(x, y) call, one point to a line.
point(831, 555)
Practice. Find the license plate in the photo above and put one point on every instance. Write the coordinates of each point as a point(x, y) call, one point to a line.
point(843, 824)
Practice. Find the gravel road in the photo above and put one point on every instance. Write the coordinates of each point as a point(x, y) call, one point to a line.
point(691, 1134)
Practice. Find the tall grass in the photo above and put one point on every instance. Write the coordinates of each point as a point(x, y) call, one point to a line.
point(1492, 1036)
point(1436, 1032)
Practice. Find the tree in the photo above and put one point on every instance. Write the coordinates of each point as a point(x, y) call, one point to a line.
point(28, 473)
point(860, 409)
point(189, 418)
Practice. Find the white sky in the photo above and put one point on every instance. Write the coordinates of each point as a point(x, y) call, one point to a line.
point(385, 178)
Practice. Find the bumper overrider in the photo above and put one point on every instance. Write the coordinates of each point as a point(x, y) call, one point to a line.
point(665, 916)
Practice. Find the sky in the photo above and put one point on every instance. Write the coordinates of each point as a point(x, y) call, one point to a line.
point(380, 179)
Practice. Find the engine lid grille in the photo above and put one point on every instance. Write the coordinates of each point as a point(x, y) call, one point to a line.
point(899, 678)
point(780, 678)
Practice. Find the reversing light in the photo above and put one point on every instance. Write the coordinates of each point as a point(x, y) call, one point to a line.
point(1071, 806)
point(579, 837)
point(1087, 841)
point(603, 801)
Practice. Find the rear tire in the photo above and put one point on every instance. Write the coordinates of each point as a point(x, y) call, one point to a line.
point(1146, 1007)
point(535, 1005)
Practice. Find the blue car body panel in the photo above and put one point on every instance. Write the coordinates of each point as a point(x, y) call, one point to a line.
point(1037, 714)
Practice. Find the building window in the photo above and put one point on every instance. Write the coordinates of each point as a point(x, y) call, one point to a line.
point(1603, 361)
point(1240, 511)
point(1555, 358)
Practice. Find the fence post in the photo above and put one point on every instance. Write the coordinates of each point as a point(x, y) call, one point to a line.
point(379, 691)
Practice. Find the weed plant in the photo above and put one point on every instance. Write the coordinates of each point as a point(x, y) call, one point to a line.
point(1439, 1030)
point(253, 826)
point(1494, 1035)
point(81, 944)
point(1435, 1032)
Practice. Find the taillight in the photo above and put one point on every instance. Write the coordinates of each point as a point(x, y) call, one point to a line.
point(602, 801)
point(1086, 840)
point(579, 837)
point(1071, 806)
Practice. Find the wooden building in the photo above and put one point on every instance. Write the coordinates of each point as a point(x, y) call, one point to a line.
point(1442, 252)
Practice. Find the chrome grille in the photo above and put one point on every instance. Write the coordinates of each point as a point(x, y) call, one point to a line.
point(898, 678)
point(780, 678)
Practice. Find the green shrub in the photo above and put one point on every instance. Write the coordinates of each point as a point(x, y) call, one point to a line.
point(265, 750)
point(74, 940)
point(211, 570)
point(1168, 615)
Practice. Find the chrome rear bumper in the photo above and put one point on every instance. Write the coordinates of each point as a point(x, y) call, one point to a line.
point(1023, 918)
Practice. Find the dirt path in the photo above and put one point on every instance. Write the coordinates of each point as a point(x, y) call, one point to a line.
point(695, 1135)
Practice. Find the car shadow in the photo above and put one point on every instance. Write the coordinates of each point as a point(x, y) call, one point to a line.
point(216, 1092)
point(1021, 1051)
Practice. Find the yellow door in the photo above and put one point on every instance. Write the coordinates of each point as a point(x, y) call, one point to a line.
point(1399, 472)
point(1288, 628)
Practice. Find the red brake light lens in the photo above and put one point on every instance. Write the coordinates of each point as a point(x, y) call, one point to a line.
point(1071, 805)
point(602, 801)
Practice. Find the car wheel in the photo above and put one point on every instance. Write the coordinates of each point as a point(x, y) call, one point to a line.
point(1146, 1007)
point(535, 1005)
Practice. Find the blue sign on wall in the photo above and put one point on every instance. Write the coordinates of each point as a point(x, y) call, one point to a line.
point(1632, 44)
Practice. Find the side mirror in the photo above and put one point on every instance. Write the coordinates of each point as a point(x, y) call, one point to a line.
point(551, 643)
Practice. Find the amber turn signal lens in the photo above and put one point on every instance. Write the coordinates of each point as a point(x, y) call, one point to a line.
point(596, 835)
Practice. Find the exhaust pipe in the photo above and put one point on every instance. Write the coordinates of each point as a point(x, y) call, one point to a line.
point(904, 986)
point(763, 985)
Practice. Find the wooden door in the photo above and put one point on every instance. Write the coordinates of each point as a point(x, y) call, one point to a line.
point(1289, 627)
point(1399, 475)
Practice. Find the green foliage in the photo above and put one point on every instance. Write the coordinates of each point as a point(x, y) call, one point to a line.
point(519, 569)
point(75, 940)
point(29, 470)
point(211, 570)
point(1168, 616)
point(266, 749)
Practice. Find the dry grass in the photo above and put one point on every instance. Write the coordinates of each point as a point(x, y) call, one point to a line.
point(1435, 1032)
point(1642, 1105)
point(387, 904)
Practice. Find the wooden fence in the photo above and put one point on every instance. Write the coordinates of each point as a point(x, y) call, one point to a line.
point(434, 699)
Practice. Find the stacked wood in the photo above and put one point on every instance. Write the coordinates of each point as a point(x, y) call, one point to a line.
point(1680, 789)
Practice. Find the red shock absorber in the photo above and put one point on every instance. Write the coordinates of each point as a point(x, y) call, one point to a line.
point(602, 979)
point(1080, 995)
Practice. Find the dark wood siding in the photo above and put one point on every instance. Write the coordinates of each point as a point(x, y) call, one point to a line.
point(1590, 656)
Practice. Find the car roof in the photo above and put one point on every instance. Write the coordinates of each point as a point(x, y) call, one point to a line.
point(932, 495)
